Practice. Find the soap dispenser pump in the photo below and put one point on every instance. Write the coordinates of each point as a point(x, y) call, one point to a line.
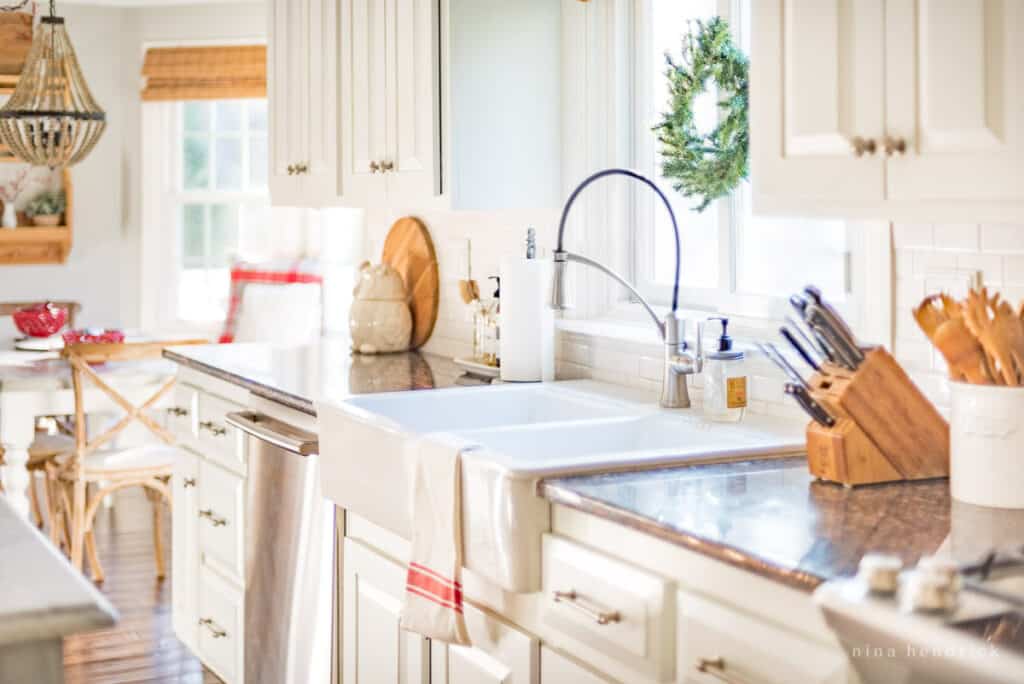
point(725, 379)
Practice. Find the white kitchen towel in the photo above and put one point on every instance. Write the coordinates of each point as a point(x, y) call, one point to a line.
point(433, 592)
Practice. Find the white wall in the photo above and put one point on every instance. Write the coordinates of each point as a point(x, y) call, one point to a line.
point(102, 271)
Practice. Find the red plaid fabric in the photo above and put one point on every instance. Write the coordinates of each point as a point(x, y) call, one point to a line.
point(267, 273)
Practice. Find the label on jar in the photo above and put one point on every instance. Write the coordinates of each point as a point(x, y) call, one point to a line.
point(736, 392)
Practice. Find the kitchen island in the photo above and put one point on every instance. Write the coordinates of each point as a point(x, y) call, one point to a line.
point(681, 574)
point(45, 599)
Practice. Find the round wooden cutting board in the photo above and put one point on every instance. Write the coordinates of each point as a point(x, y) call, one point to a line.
point(410, 251)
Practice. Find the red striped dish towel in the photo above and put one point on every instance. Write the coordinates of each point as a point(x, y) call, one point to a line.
point(433, 591)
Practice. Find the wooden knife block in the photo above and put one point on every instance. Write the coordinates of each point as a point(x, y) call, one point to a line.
point(885, 430)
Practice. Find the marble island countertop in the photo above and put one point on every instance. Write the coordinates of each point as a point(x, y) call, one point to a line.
point(43, 596)
point(772, 518)
point(297, 377)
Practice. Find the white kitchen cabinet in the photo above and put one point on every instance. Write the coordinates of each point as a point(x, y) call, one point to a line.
point(500, 654)
point(440, 104)
point(375, 648)
point(185, 549)
point(903, 109)
point(301, 92)
point(955, 99)
point(557, 669)
point(390, 101)
point(717, 643)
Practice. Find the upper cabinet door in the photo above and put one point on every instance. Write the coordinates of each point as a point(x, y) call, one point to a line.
point(321, 120)
point(955, 100)
point(413, 100)
point(363, 101)
point(816, 101)
point(288, 75)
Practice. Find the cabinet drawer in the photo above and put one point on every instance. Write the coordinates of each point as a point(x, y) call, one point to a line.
point(732, 646)
point(609, 608)
point(220, 627)
point(221, 518)
point(181, 414)
point(215, 438)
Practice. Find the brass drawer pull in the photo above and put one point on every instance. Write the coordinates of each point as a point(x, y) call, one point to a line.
point(715, 667)
point(217, 632)
point(374, 167)
point(387, 166)
point(214, 519)
point(189, 482)
point(572, 599)
point(291, 169)
point(177, 411)
point(213, 428)
point(301, 167)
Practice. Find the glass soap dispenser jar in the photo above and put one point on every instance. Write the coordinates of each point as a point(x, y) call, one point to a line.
point(725, 379)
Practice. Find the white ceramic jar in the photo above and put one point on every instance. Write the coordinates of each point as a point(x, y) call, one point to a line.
point(987, 445)
point(380, 320)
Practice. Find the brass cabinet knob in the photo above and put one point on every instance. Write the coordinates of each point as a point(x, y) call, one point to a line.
point(189, 482)
point(894, 145)
point(387, 166)
point(291, 169)
point(301, 167)
point(177, 411)
point(374, 167)
point(863, 145)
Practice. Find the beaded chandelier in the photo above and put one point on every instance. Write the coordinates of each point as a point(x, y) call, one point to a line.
point(51, 119)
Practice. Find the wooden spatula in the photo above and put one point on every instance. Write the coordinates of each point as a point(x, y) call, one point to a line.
point(1000, 331)
point(941, 319)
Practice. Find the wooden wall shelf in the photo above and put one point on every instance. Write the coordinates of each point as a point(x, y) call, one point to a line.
point(28, 244)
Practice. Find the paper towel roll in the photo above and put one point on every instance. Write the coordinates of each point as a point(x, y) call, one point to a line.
point(527, 330)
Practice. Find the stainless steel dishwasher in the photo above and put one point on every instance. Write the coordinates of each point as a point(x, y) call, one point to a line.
point(289, 556)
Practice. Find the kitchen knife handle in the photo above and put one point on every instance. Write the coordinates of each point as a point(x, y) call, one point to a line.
point(815, 410)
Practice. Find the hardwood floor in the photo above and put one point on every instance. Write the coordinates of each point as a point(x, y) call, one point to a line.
point(142, 646)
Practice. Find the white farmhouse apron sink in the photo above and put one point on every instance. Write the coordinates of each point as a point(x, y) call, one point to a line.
point(521, 433)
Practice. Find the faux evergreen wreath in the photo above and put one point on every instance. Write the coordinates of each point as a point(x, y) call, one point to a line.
point(706, 166)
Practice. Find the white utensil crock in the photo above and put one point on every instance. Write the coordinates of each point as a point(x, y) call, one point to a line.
point(987, 445)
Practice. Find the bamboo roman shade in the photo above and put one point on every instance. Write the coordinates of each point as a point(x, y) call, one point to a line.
point(205, 73)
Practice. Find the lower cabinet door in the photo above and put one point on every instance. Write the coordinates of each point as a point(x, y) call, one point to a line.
point(557, 669)
point(185, 548)
point(374, 647)
point(500, 654)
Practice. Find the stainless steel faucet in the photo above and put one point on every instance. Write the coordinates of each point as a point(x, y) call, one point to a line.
point(679, 362)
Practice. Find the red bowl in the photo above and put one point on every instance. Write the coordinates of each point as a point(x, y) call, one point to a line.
point(40, 320)
point(93, 336)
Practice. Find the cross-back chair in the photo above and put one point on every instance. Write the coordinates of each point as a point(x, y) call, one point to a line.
point(80, 480)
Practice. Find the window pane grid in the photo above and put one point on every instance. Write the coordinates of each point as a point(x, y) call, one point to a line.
point(221, 198)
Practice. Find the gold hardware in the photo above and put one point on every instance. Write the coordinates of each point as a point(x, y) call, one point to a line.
point(861, 145)
point(177, 411)
point(217, 632)
point(215, 520)
point(715, 667)
point(891, 145)
point(214, 429)
point(291, 169)
point(189, 482)
point(374, 167)
point(572, 599)
point(387, 166)
point(301, 167)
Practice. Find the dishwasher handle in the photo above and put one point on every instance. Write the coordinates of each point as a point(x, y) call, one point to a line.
point(275, 432)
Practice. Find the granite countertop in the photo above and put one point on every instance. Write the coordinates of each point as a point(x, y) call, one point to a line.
point(772, 518)
point(298, 377)
point(41, 596)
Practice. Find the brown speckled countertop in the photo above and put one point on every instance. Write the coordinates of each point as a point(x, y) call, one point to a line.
point(770, 517)
point(299, 376)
